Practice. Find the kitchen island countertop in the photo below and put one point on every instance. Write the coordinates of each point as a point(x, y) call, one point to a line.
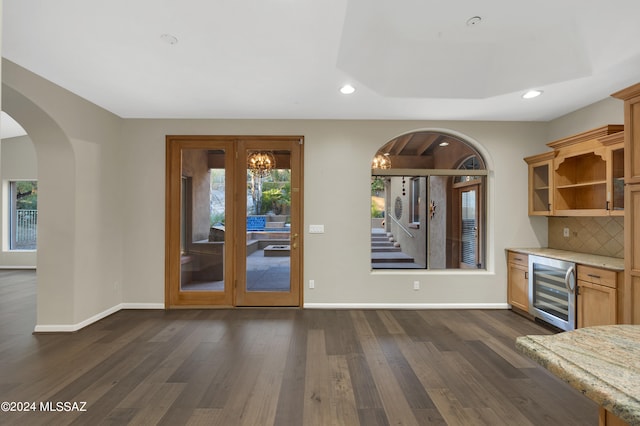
point(601, 362)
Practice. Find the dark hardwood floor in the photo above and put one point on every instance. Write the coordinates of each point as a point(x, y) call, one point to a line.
point(279, 366)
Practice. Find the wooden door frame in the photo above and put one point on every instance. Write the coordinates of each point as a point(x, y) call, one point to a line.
point(243, 297)
point(173, 185)
point(174, 298)
point(460, 188)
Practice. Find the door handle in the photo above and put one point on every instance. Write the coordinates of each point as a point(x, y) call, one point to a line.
point(570, 271)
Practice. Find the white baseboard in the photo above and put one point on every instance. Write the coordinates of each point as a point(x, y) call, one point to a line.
point(17, 267)
point(406, 306)
point(70, 328)
point(142, 306)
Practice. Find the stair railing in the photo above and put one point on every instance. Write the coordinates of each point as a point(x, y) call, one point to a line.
point(400, 225)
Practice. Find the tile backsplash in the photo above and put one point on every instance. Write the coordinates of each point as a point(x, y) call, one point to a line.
point(595, 235)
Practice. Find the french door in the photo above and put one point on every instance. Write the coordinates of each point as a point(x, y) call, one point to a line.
point(233, 221)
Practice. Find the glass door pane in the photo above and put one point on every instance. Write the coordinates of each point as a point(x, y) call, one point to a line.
point(268, 262)
point(618, 180)
point(202, 221)
point(469, 229)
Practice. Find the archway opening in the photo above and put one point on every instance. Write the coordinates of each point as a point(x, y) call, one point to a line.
point(55, 265)
point(428, 203)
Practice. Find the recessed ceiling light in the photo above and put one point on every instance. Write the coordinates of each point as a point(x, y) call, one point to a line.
point(474, 20)
point(168, 38)
point(532, 94)
point(347, 89)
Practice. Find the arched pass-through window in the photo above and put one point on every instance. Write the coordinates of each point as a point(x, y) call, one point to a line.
point(428, 203)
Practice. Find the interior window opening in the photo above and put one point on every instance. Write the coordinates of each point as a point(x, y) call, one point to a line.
point(428, 204)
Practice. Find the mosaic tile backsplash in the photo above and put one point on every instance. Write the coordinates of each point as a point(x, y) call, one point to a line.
point(595, 235)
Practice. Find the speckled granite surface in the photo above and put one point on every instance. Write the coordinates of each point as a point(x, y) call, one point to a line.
point(613, 263)
point(601, 362)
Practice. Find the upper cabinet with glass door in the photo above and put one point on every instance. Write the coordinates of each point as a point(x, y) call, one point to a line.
point(615, 173)
point(540, 184)
point(584, 179)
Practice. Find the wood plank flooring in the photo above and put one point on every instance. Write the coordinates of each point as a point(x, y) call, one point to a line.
point(279, 367)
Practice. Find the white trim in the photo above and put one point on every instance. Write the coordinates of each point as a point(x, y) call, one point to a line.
point(142, 306)
point(17, 267)
point(406, 306)
point(70, 328)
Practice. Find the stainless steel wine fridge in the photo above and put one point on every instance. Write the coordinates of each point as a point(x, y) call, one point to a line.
point(552, 291)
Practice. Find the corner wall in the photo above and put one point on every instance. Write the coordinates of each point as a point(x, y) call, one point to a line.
point(79, 264)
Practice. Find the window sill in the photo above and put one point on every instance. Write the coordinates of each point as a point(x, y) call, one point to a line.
point(414, 225)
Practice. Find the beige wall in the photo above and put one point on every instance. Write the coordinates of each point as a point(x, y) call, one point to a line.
point(607, 111)
point(102, 204)
point(17, 162)
point(337, 153)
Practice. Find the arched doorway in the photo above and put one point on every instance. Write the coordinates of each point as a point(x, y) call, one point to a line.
point(56, 217)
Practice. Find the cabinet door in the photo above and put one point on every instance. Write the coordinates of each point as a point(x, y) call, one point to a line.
point(631, 301)
point(540, 176)
point(615, 181)
point(596, 304)
point(518, 288)
point(540, 184)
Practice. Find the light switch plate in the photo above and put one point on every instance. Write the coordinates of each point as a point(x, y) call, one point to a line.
point(316, 229)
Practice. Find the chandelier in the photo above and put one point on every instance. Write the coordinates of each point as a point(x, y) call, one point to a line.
point(381, 161)
point(261, 163)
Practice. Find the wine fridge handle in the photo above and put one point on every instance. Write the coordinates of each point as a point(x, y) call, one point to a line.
point(567, 282)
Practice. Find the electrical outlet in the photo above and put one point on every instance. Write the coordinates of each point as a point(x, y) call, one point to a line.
point(312, 283)
point(565, 232)
point(416, 285)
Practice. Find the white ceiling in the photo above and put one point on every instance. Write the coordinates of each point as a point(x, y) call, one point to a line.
point(408, 59)
point(9, 128)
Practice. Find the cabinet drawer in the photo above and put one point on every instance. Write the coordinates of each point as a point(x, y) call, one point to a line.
point(605, 277)
point(518, 258)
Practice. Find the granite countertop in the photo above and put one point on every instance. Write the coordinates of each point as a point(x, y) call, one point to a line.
point(601, 362)
point(606, 262)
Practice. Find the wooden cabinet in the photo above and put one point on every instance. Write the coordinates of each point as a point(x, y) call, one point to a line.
point(582, 176)
point(583, 173)
point(631, 303)
point(540, 183)
point(606, 418)
point(518, 280)
point(631, 97)
point(597, 296)
point(615, 172)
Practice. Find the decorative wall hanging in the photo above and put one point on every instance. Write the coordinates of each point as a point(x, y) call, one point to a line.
point(398, 208)
point(432, 209)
